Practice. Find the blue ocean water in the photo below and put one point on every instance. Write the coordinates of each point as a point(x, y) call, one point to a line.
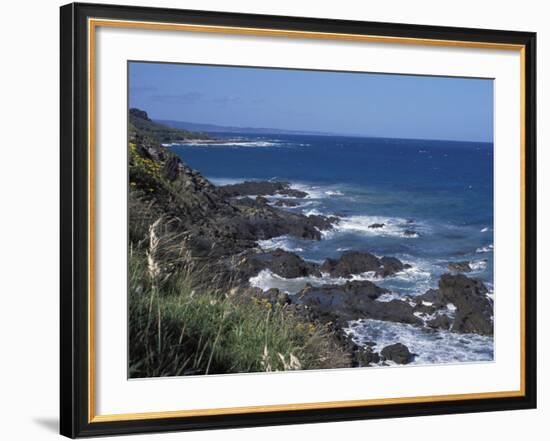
point(435, 199)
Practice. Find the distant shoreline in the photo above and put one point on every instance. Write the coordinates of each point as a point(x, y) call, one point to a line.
point(204, 141)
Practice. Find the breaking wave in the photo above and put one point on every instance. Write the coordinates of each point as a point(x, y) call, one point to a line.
point(431, 346)
point(379, 226)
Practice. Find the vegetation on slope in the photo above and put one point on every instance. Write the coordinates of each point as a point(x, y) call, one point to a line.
point(141, 123)
point(183, 320)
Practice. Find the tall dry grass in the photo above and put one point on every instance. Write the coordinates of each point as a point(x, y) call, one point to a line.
point(177, 326)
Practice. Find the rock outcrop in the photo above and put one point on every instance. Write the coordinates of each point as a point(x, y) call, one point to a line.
point(356, 262)
point(472, 308)
point(354, 300)
point(261, 188)
point(398, 353)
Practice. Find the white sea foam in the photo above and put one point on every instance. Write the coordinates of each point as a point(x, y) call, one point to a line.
point(266, 279)
point(388, 297)
point(478, 265)
point(233, 143)
point(313, 191)
point(485, 229)
point(282, 242)
point(272, 199)
point(312, 212)
point(334, 193)
point(486, 249)
point(393, 226)
point(429, 345)
point(224, 181)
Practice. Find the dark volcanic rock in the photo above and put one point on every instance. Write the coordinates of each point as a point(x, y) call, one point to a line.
point(393, 311)
point(351, 262)
point(474, 310)
point(353, 300)
point(262, 221)
point(345, 302)
point(355, 262)
point(216, 227)
point(366, 356)
point(460, 267)
point(398, 353)
point(440, 322)
point(261, 200)
point(286, 203)
point(293, 193)
point(410, 233)
point(391, 265)
point(280, 262)
point(377, 225)
point(261, 188)
point(424, 309)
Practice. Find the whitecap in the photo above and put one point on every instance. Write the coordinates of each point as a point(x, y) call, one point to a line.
point(485, 249)
point(334, 193)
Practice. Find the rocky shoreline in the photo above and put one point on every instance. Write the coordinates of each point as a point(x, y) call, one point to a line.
point(223, 225)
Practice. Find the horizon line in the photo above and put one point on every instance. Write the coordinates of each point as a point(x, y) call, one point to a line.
point(321, 133)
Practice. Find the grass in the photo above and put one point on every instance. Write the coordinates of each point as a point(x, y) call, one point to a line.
point(177, 327)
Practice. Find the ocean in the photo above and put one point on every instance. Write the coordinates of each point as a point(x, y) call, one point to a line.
point(435, 199)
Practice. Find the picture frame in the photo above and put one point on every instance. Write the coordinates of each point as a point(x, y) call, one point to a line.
point(81, 174)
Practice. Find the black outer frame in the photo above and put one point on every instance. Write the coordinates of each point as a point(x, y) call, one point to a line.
point(74, 220)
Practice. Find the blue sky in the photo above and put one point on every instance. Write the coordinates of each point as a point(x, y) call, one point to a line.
point(394, 106)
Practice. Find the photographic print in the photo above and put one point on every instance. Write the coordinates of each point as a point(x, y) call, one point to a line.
point(274, 220)
point(284, 219)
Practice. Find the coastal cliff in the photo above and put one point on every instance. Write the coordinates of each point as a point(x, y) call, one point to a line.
point(194, 247)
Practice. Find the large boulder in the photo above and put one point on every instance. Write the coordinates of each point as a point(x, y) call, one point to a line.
point(473, 309)
point(398, 353)
point(354, 300)
point(281, 262)
point(357, 262)
point(263, 221)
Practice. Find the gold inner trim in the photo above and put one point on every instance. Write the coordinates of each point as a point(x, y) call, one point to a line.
point(92, 24)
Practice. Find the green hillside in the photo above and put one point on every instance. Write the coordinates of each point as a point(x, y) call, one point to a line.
point(140, 122)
